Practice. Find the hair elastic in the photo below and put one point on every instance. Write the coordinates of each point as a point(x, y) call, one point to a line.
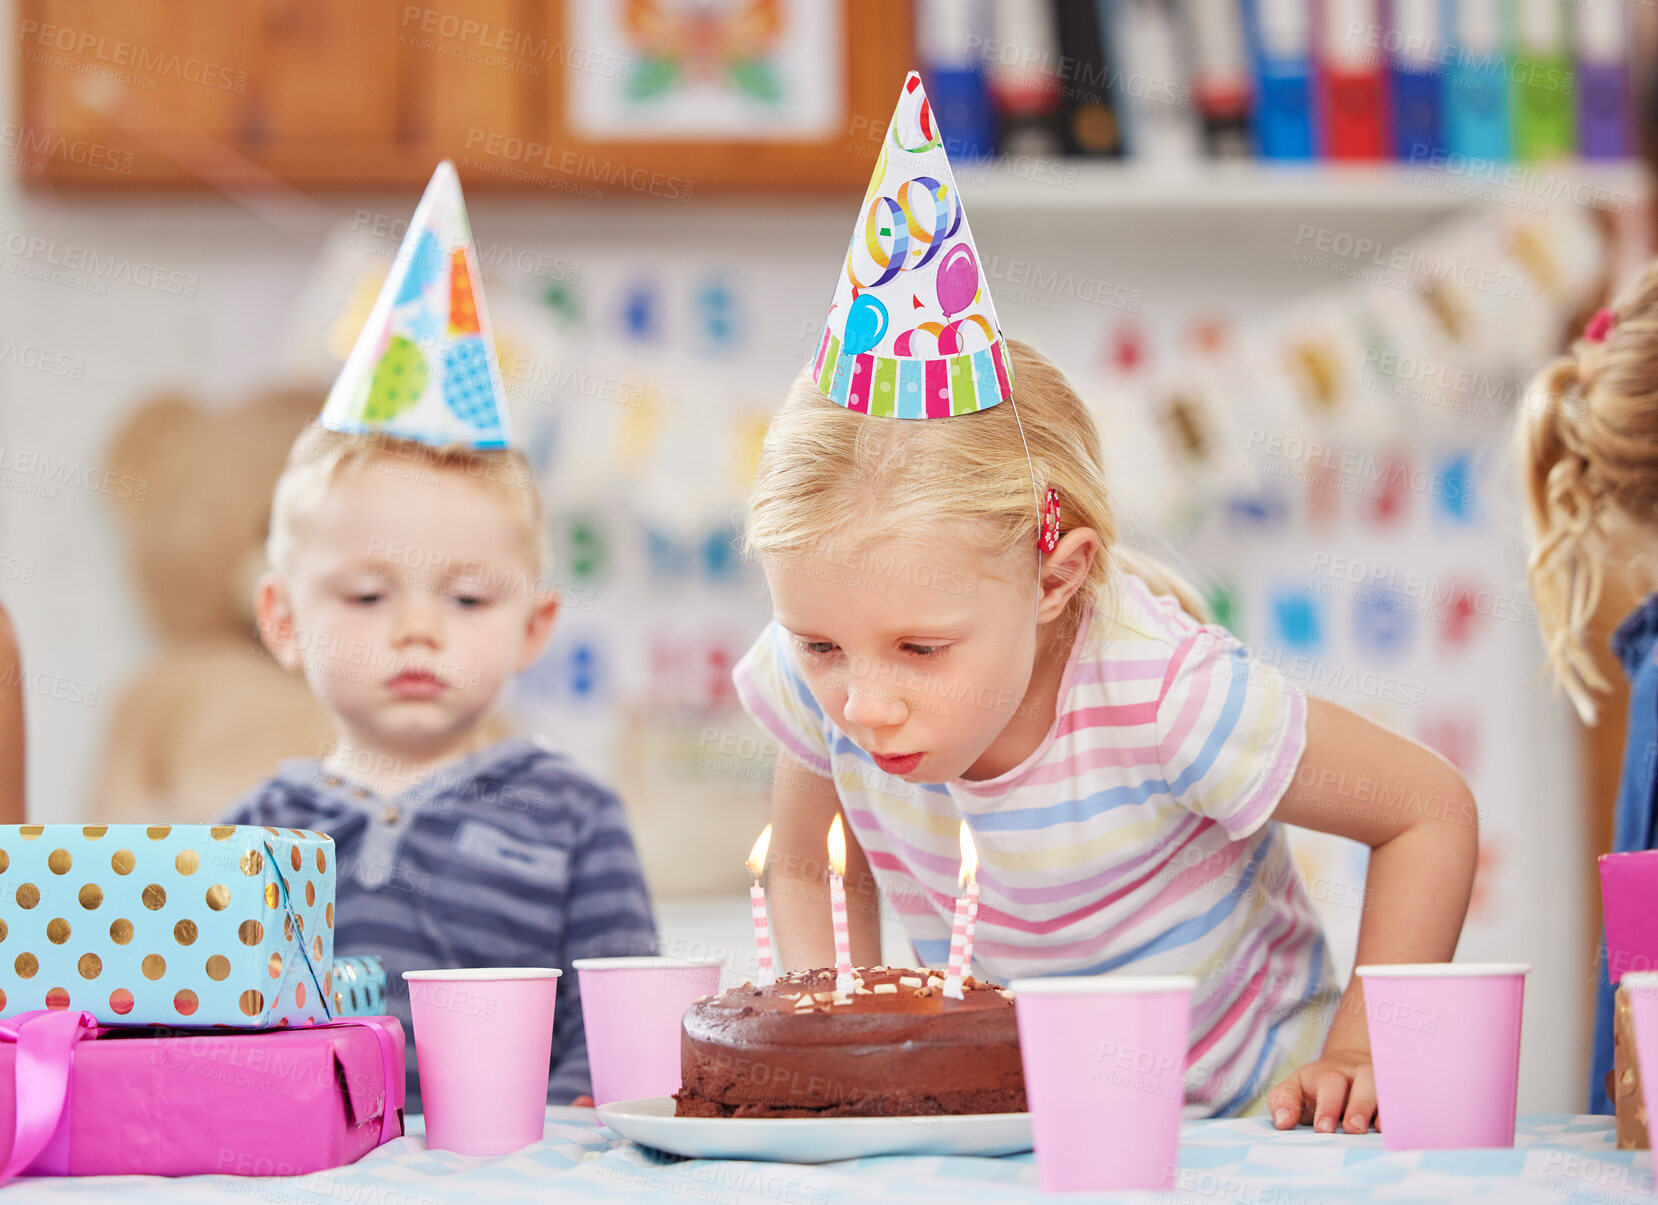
point(1599, 326)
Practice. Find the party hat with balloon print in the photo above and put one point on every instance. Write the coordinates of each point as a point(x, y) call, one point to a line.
point(424, 366)
point(912, 332)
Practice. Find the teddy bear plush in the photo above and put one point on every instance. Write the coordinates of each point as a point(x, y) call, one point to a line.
point(212, 713)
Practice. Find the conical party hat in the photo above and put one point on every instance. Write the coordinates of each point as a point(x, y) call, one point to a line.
point(424, 366)
point(912, 332)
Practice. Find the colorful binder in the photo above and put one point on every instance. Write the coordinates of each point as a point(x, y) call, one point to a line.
point(950, 41)
point(1540, 68)
point(1220, 74)
point(1025, 84)
point(1280, 42)
point(1153, 99)
point(1088, 121)
point(1476, 81)
point(1352, 82)
point(1414, 39)
point(1603, 101)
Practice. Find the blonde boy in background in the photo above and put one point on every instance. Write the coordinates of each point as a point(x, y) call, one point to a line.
point(406, 585)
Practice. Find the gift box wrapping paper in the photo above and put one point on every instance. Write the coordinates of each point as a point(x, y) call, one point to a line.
point(359, 986)
point(185, 925)
point(279, 1103)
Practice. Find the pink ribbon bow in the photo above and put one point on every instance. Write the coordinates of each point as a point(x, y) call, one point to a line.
point(45, 1042)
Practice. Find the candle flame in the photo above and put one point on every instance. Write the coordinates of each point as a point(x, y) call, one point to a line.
point(969, 857)
point(837, 847)
point(757, 855)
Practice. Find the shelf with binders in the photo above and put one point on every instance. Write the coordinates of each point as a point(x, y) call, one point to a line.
point(1206, 186)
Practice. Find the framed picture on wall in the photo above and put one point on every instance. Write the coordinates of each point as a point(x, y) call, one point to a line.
point(727, 95)
point(572, 99)
point(706, 70)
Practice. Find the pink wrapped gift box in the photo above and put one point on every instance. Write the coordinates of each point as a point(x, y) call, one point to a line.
point(281, 1102)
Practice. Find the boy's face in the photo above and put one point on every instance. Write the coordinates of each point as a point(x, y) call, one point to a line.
point(914, 652)
point(409, 600)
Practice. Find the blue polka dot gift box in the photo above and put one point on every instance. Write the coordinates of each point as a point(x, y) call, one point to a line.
point(182, 925)
point(359, 986)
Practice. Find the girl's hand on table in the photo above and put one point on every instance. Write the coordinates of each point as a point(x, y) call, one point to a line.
point(1337, 1089)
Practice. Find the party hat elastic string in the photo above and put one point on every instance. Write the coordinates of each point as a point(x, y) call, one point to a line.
point(1047, 528)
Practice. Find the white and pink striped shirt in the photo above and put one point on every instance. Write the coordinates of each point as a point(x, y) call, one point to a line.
point(1137, 836)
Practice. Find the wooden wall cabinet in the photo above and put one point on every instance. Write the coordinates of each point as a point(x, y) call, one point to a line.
point(348, 94)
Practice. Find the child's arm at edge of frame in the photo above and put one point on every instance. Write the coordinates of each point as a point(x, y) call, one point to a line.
point(804, 805)
point(13, 782)
point(1360, 780)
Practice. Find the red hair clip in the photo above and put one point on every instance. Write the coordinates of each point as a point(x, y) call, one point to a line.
point(1599, 326)
point(1048, 538)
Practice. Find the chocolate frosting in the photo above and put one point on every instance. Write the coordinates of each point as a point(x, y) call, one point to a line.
point(896, 1046)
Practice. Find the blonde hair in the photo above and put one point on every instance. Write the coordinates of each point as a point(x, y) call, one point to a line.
point(321, 456)
point(1588, 450)
point(825, 470)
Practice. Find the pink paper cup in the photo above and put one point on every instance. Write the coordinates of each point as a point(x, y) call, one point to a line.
point(631, 1009)
point(1105, 1062)
point(483, 1043)
point(1445, 1043)
point(1629, 901)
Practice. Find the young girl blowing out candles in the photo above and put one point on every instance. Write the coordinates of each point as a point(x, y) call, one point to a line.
point(1589, 471)
point(958, 634)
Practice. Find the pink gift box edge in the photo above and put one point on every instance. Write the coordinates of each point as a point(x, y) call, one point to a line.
point(277, 1102)
point(1629, 929)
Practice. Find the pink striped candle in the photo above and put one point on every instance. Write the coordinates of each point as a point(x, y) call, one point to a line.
point(967, 916)
point(762, 935)
point(837, 908)
point(757, 898)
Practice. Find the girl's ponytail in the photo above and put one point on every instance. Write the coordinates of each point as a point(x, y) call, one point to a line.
point(1588, 452)
point(1566, 502)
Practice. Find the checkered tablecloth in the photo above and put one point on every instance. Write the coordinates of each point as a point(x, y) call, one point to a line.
point(1556, 1158)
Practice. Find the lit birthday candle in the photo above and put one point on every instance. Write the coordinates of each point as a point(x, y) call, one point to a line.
point(967, 915)
point(757, 897)
point(837, 908)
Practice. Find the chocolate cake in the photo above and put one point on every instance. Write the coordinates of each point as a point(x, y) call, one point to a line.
point(896, 1047)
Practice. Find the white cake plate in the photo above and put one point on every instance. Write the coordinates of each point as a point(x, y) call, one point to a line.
point(651, 1122)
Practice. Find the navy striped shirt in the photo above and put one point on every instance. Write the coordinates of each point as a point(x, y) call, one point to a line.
point(510, 857)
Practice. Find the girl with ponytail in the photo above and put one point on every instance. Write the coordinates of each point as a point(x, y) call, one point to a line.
point(1588, 451)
